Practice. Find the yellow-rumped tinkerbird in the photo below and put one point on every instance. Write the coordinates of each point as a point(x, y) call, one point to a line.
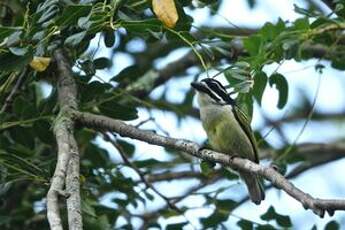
point(228, 130)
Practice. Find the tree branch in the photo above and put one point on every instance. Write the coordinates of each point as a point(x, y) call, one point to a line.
point(319, 206)
point(68, 156)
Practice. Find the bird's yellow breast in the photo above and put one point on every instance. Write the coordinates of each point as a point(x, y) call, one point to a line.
point(225, 133)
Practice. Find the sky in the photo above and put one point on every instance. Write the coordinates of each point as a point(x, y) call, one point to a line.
point(302, 78)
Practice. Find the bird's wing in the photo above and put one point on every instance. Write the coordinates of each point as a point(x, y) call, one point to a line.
point(241, 117)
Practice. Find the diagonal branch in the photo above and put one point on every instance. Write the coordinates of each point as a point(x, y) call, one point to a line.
point(68, 156)
point(9, 99)
point(319, 206)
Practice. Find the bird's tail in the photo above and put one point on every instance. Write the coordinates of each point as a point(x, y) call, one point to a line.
point(254, 187)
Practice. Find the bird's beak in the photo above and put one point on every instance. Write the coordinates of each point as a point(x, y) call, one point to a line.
point(197, 86)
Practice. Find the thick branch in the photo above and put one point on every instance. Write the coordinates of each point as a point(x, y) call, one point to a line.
point(68, 156)
point(319, 206)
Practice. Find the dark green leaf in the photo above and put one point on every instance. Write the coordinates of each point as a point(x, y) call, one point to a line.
point(143, 26)
point(93, 91)
point(7, 31)
point(43, 131)
point(332, 225)
point(11, 62)
point(245, 224)
point(281, 85)
point(206, 167)
point(229, 175)
point(177, 226)
point(75, 39)
point(24, 108)
point(282, 220)
point(128, 148)
point(102, 63)
point(214, 219)
point(147, 163)
point(129, 74)
point(72, 13)
point(225, 205)
point(86, 207)
point(265, 227)
point(118, 111)
point(260, 82)
point(109, 38)
point(96, 156)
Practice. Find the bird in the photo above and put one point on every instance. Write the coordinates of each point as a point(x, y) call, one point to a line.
point(228, 130)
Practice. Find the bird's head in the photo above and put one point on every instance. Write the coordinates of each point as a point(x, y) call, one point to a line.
point(212, 91)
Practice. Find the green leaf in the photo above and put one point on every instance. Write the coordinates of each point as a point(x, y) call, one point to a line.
point(118, 111)
point(260, 82)
point(11, 62)
point(225, 205)
point(253, 44)
point(332, 225)
point(245, 103)
point(128, 147)
point(265, 227)
point(102, 63)
point(147, 163)
point(229, 175)
point(72, 13)
point(86, 207)
point(96, 156)
point(281, 85)
point(282, 220)
point(48, 13)
point(145, 82)
point(43, 131)
point(206, 167)
point(214, 219)
point(103, 223)
point(177, 226)
point(245, 224)
point(14, 38)
point(142, 26)
point(93, 91)
point(19, 51)
point(7, 31)
point(128, 74)
point(75, 39)
point(109, 38)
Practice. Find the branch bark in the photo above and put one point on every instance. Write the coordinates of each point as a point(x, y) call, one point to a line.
point(318, 206)
point(68, 156)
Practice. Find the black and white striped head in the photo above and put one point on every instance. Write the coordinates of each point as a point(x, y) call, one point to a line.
point(214, 90)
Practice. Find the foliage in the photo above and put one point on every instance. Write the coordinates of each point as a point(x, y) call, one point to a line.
point(31, 30)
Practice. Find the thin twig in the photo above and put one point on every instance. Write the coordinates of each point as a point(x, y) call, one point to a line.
point(9, 98)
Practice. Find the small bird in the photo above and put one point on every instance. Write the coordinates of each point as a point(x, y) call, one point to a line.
point(228, 130)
